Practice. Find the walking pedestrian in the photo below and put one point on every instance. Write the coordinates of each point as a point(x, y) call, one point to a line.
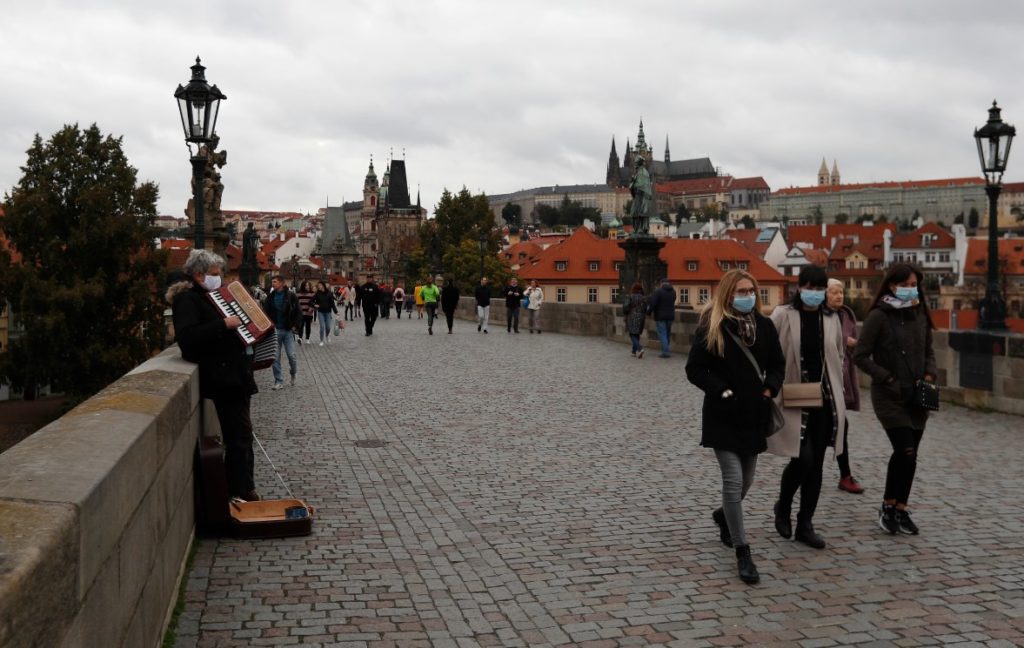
point(367, 298)
point(449, 302)
point(812, 342)
point(635, 310)
point(535, 299)
point(399, 300)
point(737, 362)
point(282, 307)
point(323, 302)
point(430, 294)
point(895, 349)
point(513, 300)
point(851, 390)
point(418, 296)
point(225, 373)
point(482, 294)
point(305, 297)
point(410, 301)
point(348, 295)
point(662, 305)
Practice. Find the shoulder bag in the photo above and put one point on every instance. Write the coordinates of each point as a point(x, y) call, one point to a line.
point(923, 394)
point(778, 420)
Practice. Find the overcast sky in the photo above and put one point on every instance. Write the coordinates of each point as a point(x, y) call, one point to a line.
point(504, 95)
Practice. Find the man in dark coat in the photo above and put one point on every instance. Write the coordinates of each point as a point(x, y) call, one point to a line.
point(208, 339)
point(483, 304)
point(368, 298)
point(282, 307)
point(513, 300)
point(449, 302)
point(662, 305)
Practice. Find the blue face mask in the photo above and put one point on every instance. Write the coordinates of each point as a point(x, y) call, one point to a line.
point(812, 298)
point(743, 304)
point(906, 293)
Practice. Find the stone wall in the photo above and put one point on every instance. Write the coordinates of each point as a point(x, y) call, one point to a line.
point(605, 320)
point(96, 514)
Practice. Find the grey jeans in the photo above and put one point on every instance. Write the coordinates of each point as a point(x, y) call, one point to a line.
point(737, 476)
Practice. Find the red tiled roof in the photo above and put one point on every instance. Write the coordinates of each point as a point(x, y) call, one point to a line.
point(715, 184)
point(583, 247)
point(175, 244)
point(942, 238)
point(967, 319)
point(757, 182)
point(1013, 187)
point(748, 239)
point(844, 247)
point(909, 184)
point(1011, 256)
point(812, 233)
point(522, 252)
point(816, 257)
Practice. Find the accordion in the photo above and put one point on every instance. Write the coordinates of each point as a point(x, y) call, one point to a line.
point(234, 300)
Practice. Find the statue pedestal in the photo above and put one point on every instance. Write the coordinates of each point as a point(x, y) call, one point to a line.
point(642, 263)
point(249, 275)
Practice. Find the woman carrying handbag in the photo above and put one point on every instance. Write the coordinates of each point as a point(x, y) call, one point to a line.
point(812, 399)
point(895, 349)
point(738, 364)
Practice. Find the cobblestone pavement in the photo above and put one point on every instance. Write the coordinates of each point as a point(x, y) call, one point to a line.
point(549, 490)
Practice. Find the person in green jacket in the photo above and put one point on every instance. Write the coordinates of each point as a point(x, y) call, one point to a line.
point(430, 295)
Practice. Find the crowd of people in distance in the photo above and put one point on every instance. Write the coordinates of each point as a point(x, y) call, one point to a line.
point(782, 383)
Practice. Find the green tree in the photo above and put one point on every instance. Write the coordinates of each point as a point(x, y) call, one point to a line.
point(747, 222)
point(972, 219)
point(959, 220)
point(85, 287)
point(461, 215)
point(842, 218)
point(682, 214)
point(462, 264)
point(817, 215)
point(512, 214)
point(547, 215)
point(572, 213)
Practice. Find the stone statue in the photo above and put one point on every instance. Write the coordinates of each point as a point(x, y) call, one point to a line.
point(213, 189)
point(643, 195)
point(249, 238)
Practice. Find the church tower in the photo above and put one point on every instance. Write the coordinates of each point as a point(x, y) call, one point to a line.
point(823, 177)
point(371, 191)
point(612, 178)
point(642, 148)
point(627, 161)
point(668, 156)
point(835, 174)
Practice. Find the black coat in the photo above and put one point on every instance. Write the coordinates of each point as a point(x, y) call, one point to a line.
point(324, 302)
point(368, 295)
point(483, 295)
point(203, 338)
point(513, 296)
point(449, 298)
point(662, 304)
point(740, 423)
point(292, 312)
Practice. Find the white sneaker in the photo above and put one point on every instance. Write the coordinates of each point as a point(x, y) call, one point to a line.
point(278, 386)
point(321, 344)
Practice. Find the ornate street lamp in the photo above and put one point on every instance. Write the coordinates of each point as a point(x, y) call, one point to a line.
point(994, 140)
point(198, 104)
point(482, 241)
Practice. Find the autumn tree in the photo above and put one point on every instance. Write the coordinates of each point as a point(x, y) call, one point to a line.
point(85, 289)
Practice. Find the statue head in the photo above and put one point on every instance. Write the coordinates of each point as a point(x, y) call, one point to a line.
point(639, 162)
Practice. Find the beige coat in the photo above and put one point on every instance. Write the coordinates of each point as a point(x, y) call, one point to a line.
point(786, 442)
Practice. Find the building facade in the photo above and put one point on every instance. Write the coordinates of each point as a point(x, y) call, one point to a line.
point(389, 223)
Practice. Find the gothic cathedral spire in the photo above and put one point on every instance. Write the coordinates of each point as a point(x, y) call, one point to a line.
point(835, 174)
point(668, 157)
point(823, 177)
point(612, 178)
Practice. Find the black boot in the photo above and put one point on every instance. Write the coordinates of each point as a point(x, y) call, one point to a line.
point(718, 515)
point(745, 564)
point(783, 524)
point(805, 534)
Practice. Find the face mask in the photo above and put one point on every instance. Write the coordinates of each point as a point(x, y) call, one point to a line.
point(906, 293)
point(211, 282)
point(812, 298)
point(743, 304)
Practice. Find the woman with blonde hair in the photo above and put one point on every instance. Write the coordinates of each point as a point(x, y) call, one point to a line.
point(737, 362)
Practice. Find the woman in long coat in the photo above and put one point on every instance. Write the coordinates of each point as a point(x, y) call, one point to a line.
point(895, 349)
point(738, 364)
point(812, 341)
point(635, 310)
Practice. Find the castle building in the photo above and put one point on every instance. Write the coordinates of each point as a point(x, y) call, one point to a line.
point(389, 223)
point(619, 175)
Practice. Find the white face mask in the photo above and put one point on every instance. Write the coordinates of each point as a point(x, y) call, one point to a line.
point(211, 282)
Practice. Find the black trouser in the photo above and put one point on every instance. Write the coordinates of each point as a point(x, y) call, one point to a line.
point(236, 429)
point(349, 309)
point(449, 317)
point(902, 464)
point(804, 472)
point(385, 311)
point(306, 326)
point(843, 460)
point(370, 318)
point(513, 318)
point(398, 309)
point(431, 314)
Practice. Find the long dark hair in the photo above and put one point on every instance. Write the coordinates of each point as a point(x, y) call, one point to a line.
point(810, 275)
point(305, 287)
point(898, 273)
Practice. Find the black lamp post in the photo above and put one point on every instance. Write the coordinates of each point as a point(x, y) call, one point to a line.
point(482, 241)
point(994, 139)
point(198, 103)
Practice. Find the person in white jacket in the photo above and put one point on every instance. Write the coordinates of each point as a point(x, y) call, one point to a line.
point(536, 297)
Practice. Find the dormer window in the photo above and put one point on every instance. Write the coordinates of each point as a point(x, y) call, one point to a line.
point(726, 265)
point(691, 266)
point(618, 266)
point(742, 265)
point(560, 266)
point(594, 265)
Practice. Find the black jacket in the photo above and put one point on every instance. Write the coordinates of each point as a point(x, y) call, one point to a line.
point(368, 295)
point(449, 298)
point(292, 312)
point(662, 304)
point(740, 423)
point(513, 296)
point(324, 302)
point(483, 295)
point(199, 330)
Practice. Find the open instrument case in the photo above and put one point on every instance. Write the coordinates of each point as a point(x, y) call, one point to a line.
point(270, 518)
